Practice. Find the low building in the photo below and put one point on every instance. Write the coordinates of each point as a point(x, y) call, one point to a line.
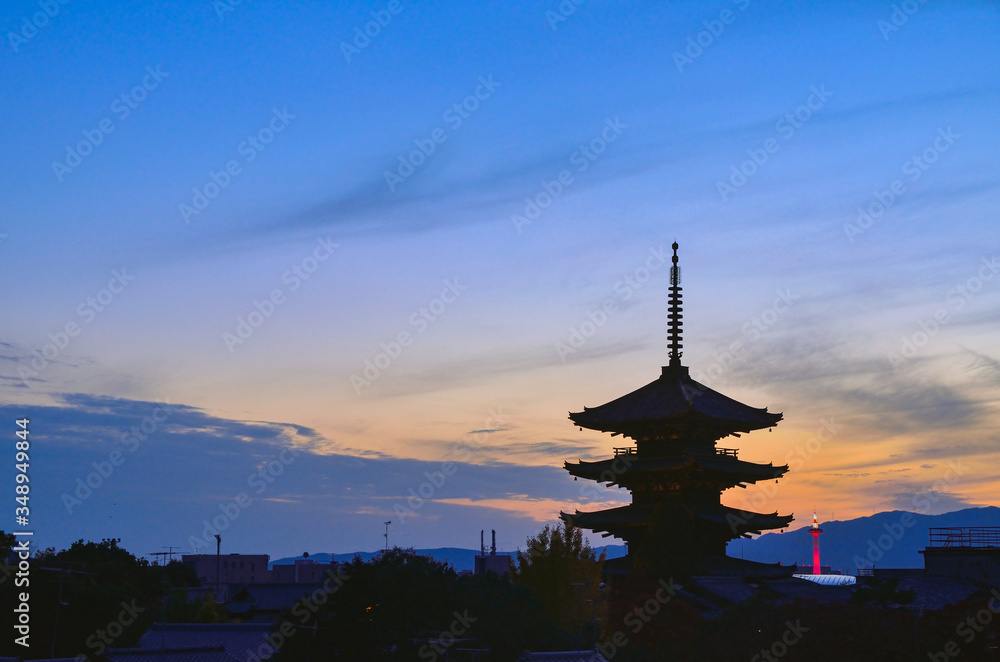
point(563, 656)
point(198, 642)
point(966, 552)
point(267, 602)
point(205, 654)
point(302, 571)
point(228, 569)
point(492, 562)
point(498, 563)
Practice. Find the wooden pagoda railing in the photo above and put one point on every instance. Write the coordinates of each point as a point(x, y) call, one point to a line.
point(631, 450)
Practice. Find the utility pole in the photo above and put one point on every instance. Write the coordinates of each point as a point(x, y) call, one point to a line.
point(63, 572)
point(163, 619)
point(387, 535)
point(218, 549)
point(579, 608)
point(55, 625)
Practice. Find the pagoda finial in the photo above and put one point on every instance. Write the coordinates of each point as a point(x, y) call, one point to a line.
point(674, 312)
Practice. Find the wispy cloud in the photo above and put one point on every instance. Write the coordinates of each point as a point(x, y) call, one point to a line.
point(193, 461)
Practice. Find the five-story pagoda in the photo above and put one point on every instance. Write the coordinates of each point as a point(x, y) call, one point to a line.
point(675, 471)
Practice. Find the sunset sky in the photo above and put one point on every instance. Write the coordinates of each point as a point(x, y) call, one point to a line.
point(219, 215)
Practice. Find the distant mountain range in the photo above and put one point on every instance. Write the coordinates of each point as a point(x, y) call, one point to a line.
point(890, 540)
point(460, 559)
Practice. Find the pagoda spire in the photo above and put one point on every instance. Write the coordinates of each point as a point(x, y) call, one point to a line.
point(674, 313)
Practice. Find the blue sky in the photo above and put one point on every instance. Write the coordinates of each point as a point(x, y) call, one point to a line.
point(839, 104)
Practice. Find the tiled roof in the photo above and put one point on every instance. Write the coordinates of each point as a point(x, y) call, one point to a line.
point(235, 638)
point(722, 465)
point(631, 516)
point(275, 597)
point(674, 399)
point(933, 593)
point(201, 654)
point(563, 656)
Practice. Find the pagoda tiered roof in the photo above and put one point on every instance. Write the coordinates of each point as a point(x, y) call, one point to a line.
point(632, 518)
point(675, 472)
point(674, 403)
point(725, 467)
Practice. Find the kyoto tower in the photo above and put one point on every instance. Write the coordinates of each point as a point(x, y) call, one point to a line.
point(815, 531)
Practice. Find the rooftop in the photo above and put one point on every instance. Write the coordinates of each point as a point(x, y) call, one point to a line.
point(200, 654)
point(674, 400)
point(234, 638)
point(971, 537)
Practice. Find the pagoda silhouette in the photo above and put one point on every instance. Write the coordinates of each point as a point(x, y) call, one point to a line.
point(675, 471)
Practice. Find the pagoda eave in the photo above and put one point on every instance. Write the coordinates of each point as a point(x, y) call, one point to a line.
point(686, 423)
point(674, 402)
point(632, 517)
point(725, 468)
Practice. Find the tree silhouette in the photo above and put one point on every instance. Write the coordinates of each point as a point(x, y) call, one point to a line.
point(563, 570)
point(79, 592)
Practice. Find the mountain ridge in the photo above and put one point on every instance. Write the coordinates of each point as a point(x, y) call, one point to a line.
point(890, 539)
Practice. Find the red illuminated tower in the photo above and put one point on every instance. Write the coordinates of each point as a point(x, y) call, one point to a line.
point(815, 531)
